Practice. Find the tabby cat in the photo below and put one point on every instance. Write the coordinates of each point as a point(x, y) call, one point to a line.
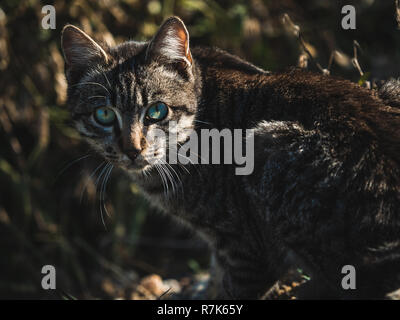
point(325, 190)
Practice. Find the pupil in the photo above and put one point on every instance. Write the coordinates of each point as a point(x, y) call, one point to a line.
point(157, 111)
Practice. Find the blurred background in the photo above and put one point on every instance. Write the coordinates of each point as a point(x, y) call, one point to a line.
point(49, 207)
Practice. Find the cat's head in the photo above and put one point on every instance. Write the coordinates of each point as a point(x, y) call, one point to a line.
point(119, 97)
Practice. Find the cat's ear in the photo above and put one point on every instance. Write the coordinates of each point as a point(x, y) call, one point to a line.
point(80, 50)
point(171, 43)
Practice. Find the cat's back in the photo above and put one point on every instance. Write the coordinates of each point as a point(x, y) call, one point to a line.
point(337, 107)
point(350, 117)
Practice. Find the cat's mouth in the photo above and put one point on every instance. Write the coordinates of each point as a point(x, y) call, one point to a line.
point(141, 162)
point(137, 165)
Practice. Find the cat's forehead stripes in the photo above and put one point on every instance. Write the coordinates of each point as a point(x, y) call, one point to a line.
point(126, 97)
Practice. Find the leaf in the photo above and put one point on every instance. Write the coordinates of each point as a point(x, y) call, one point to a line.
point(364, 78)
point(308, 278)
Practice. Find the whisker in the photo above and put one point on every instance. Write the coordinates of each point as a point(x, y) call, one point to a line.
point(169, 177)
point(91, 97)
point(104, 185)
point(165, 179)
point(88, 179)
point(162, 180)
point(190, 161)
point(108, 81)
point(103, 171)
point(66, 167)
point(162, 176)
point(196, 154)
point(92, 83)
point(209, 123)
point(171, 174)
point(173, 170)
point(183, 166)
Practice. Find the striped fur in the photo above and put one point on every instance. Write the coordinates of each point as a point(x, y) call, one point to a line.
point(325, 188)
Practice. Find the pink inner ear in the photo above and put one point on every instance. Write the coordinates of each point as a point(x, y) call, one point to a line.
point(171, 42)
point(181, 34)
point(184, 39)
point(188, 54)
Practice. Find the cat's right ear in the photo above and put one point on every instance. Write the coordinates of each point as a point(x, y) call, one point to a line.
point(80, 51)
point(171, 44)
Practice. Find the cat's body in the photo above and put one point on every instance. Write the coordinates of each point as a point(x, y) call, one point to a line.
point(325, 189)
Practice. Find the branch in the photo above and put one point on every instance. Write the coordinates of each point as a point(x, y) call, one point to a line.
point(363, 77)
point(297, 33)
point(354, 61)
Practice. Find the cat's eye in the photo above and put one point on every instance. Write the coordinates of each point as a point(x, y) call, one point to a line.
point(104, 116)
point(157, 112)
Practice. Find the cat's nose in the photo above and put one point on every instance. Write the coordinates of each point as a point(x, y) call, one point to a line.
point(132, 153)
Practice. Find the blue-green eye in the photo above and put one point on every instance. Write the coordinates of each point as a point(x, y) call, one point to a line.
point(105, 116)
point(157, 112)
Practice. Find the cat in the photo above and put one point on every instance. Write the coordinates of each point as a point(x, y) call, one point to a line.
point(325, 189)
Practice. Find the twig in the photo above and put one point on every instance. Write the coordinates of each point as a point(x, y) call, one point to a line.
point(354, 61)
point(297, 32)
point(332, 58)
point(356, 64)
point(164, 293)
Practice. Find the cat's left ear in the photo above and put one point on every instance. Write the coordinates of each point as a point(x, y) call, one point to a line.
point(80, 52)
point(171, 44)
